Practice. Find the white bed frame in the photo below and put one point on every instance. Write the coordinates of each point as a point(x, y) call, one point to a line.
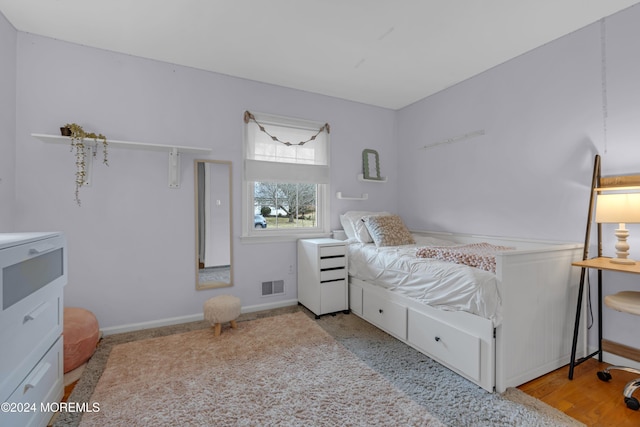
point(539, 290)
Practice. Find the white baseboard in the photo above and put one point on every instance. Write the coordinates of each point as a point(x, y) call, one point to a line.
point(269, 306)
point(614, 359)
point(189, 318)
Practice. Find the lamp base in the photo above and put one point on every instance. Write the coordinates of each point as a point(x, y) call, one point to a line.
point(622, 247)
point(626, 261)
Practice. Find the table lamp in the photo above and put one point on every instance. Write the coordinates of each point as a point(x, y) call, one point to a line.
point(622, 209)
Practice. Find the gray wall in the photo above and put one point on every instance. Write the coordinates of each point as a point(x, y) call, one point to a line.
point(8, 53)
point(529, 175)
point(131, 244)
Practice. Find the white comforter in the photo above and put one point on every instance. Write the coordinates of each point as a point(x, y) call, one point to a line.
point(440, 284)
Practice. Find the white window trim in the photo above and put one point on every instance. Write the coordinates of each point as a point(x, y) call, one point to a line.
point(249, 234)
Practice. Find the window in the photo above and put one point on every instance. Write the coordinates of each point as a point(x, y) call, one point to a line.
point(286, 177)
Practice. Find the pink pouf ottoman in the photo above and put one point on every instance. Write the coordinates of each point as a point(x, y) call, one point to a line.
point(81, 334)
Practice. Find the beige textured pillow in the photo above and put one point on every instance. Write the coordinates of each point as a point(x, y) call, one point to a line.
point(388, 230)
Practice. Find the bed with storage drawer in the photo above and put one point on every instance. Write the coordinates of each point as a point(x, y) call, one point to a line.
point(498, 327)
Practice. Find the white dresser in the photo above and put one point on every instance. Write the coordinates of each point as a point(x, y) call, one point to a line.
point(323, 275)
point(33, 273)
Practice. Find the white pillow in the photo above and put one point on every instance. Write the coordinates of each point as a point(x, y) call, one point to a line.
point(347, 226)
point(354, 226)
point(362, 234)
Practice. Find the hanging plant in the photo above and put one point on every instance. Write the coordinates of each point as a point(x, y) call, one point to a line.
point(78, 136)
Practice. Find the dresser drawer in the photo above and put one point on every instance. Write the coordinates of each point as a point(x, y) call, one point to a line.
point(449, 345)
point(387, 315)
point(43, 384)
point(27, 330)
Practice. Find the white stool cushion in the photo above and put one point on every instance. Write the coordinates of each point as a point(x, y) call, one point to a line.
point(625, 301)
point(220, 309)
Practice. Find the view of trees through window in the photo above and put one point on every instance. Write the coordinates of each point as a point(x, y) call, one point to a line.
point(286, 205)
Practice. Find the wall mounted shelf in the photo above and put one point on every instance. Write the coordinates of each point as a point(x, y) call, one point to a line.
point(363, 196)
point(173, 150)
point(362, 178)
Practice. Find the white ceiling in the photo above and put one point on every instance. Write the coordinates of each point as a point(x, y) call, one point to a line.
point(388, 53)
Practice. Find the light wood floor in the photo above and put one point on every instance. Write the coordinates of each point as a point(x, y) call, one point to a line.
point(586, 398)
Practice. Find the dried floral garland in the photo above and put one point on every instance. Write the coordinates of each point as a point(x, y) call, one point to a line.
point(250, 117)
point(77, 136)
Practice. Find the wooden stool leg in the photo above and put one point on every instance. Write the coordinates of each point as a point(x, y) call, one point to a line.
point(234, 325)
point(218, 329)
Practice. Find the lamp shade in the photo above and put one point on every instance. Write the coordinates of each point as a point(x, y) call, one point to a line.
point(620, 208)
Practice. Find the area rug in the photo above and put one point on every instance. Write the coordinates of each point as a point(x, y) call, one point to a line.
point(455, 401)
point(282, 370)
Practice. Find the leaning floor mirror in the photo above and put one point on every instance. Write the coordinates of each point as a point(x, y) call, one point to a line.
point(214, 266)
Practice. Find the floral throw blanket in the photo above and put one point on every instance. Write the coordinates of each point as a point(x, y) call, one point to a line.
point(478, 255)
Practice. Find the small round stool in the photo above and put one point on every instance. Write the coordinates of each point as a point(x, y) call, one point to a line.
point(80, 336)
point(221, 309)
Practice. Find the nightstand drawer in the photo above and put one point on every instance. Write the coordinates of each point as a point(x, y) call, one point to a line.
point(333, 296)
point(333, 262)
point(326, 251)
point(329, 275)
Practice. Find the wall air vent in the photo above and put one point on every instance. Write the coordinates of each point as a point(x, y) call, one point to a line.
point(274, 287)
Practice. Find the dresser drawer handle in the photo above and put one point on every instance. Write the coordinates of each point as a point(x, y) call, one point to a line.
point(40, 249)
point(36, 312)
point(37, 376)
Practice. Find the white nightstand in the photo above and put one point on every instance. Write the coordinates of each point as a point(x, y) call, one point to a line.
point(323, 275)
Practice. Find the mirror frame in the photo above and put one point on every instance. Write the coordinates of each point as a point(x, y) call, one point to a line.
point(212, 285)
point(367, 168)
